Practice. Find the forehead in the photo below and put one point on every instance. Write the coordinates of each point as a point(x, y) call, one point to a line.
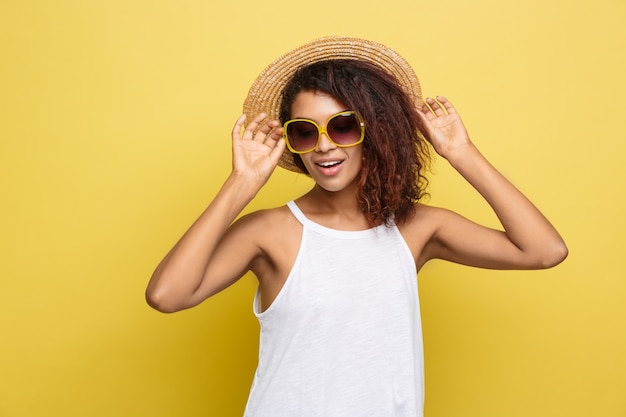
point(316, 106)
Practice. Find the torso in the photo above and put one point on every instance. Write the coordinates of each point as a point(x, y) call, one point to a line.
point(343, 336)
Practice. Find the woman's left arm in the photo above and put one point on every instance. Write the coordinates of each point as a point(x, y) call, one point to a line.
point(528, 241)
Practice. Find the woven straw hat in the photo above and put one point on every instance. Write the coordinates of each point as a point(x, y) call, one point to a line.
point(265, 93)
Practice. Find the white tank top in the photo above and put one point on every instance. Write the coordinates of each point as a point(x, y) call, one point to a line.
point(343, 337)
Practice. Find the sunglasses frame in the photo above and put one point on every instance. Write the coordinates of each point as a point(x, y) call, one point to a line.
point(322, 129)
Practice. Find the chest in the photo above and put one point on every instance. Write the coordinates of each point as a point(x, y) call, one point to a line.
point(329, 267)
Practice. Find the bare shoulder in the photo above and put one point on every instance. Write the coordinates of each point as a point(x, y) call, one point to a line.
point(425, 220)
point(275, 232)
point(420, 230)
point(271, 222)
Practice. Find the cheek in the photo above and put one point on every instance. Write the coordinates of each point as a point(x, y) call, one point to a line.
point(359, 155)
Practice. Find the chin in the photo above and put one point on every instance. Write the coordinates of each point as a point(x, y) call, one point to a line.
point(336, 186)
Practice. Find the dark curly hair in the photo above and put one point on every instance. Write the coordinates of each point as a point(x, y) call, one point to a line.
point(396, 154)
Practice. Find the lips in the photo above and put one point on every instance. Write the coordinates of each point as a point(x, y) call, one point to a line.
point(329, 166)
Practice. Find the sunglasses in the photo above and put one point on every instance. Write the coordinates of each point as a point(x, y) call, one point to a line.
point(344, 129)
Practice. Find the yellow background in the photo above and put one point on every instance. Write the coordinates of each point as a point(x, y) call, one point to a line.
point(114, 124)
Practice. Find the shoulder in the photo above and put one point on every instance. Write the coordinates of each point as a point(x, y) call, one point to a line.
point(426, 218)
point(420, 231)
point(267, 217)
point(276, 235)
point(268, 225)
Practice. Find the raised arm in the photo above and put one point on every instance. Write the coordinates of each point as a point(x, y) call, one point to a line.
point(528, 240)
point(183, 279)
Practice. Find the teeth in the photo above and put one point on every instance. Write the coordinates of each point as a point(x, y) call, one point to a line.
point(329, 164)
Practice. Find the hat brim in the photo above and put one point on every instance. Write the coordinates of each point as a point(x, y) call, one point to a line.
point(264, 95)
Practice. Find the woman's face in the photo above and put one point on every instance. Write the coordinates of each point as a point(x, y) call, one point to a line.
point(333, 168)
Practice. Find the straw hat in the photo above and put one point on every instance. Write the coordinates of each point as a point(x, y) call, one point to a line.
point(265, 93)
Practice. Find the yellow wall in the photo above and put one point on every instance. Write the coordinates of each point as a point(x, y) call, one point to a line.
point(114, 127)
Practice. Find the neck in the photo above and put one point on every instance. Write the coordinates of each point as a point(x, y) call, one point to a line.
point(344, 201)
point(336, 209)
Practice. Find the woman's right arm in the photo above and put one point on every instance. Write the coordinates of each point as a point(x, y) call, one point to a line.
point(211, 255)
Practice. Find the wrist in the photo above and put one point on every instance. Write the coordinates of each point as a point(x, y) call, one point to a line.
point(462, 154)
point(238, 190)
point(245, 183)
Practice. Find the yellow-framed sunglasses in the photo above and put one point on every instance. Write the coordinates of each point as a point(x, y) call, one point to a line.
point(344, 129)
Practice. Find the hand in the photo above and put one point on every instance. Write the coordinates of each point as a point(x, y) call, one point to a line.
point(443, 126)
point(258, 149)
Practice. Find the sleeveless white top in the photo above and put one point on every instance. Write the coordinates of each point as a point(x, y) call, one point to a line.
point(343, 337)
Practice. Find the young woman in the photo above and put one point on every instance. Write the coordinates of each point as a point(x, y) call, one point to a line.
point(337, 298)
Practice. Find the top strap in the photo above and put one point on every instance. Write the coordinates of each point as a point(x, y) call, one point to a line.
point(298, 214)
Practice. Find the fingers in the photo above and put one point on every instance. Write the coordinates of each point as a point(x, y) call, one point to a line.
point(238, 127)
point(278, 150)
point(248, 133)
point(252, 130)
point(438, 107)
point(258, 130)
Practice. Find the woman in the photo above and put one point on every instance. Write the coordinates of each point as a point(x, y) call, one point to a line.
point(337, 298)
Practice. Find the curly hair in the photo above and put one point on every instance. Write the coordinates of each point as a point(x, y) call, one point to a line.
point(395, 153)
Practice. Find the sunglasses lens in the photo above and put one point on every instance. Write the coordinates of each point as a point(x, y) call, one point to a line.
point(344, 129)
point(302, 135)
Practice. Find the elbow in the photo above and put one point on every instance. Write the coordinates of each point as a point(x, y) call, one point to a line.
point(158, 300)
point(553, 256)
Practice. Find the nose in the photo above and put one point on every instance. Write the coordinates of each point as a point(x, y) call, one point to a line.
point(324, 144)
